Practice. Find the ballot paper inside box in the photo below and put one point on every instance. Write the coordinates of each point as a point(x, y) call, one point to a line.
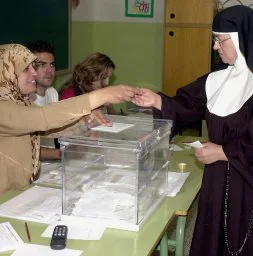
point(116, 178)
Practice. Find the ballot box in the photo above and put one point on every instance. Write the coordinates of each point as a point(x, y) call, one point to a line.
point(117, 175)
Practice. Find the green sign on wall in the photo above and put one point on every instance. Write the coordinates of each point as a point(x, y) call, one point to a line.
point(139, 8)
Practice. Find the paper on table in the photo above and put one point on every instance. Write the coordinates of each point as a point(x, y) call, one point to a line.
point(175, 182)
point(39, 204)
point(104, 202)
point(41, 250)
point(50, 173)
point(115, 128)
point(9, 239)
point(176, 147)
point(78, 231)
point(195, 144)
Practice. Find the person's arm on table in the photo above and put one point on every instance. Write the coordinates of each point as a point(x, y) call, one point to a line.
point(59, 114)
point(50, 153)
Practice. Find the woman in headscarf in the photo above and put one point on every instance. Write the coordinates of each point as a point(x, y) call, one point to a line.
point(224, 98)
point(21, 121)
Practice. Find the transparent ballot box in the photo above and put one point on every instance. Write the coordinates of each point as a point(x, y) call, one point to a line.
point(115, 176)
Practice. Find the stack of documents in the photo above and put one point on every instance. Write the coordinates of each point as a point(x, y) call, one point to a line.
point(50, 173)
point(195, 144)
point(80, 231)
point(175, 182)
point(115, 128)
point(9, 239)
point(39, 204)
point(41, 250)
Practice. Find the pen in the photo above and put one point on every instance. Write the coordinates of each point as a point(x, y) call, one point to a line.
point(27, 232)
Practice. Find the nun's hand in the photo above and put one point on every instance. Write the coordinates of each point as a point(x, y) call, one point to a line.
point(147, 98)
point(210, 153)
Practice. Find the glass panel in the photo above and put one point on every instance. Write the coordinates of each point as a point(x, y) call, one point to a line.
point(118, 179)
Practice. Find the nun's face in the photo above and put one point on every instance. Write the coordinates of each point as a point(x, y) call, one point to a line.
point(26, 80)
point(223, 44)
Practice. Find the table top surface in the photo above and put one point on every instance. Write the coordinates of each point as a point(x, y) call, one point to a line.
point(129, 243)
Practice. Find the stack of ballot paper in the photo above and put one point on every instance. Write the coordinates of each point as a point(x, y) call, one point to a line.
point(50, 173)
point(84, 230)
point(175, 182)
point(41, 250)
point(39, 204)
point(195, 144)
point(9, 239)
point(115, 128)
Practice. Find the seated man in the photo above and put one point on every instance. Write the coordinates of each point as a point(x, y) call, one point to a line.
point(45, 93)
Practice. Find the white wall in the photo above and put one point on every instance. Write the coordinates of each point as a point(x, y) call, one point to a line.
point(227, 3)
point(113, 10)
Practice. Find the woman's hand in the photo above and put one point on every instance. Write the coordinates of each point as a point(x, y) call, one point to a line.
point(119, 93)
point(210, 153)
point(147, 98)
point(111, 94)
point(96, 117)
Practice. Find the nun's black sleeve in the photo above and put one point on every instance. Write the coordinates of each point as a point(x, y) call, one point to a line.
point(187, 107)
point(239, 152)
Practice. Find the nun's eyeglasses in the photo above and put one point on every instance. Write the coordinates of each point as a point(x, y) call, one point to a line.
point(220, 42)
